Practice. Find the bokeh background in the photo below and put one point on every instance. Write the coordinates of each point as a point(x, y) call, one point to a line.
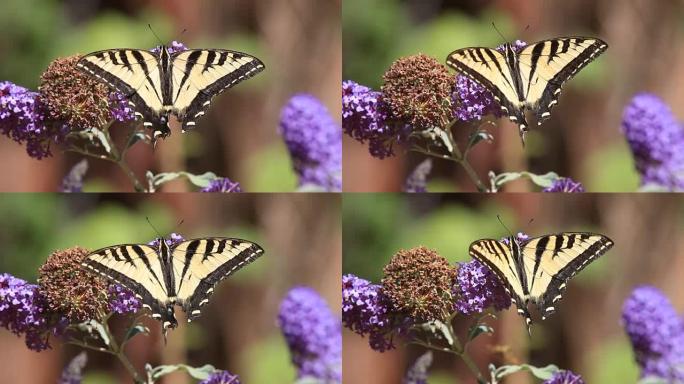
point(582, 138)
point(584, 335)
point(298, 40)
point(237, 331)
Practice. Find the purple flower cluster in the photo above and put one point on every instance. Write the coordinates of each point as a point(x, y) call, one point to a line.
point(313, 334)
point(221, 377)
point(23, 311)
point(366, 311)
point(73, 181)
point(471, 100)
point(418, 373)
point(417, 180)
point(121, 109)
point(173, 239)
point(656, 332)
point(478, 288)
point(175, 46)
point(365, 118)
point(564, 377)
point(566, 185)
point(657, 141)
point(222, 184)
point(122, 300)
point(73, 372)
point(314, 140)
point(22, 120)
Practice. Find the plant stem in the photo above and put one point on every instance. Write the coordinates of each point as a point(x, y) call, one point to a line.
point(131, 176)
point(456, 157)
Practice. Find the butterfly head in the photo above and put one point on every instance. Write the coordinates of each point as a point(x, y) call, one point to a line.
point(161, 131)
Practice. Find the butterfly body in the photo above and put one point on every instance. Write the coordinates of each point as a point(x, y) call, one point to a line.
point(527, 78)
point(158, 84)
point(537, 270)
point(164, 276)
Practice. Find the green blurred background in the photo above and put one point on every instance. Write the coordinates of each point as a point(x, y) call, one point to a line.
point(299, 42)
point(582, 139)
point(237, 331)
point(584, 335)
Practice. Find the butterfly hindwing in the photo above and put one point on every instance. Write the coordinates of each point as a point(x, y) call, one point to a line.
point(200, 264)
point(200, 74)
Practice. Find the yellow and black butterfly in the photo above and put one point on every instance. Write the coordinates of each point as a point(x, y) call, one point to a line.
point(530, 78)
point(537, 270)
point(183, 274)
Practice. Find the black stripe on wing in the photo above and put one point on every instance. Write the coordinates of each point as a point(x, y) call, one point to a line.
point(206, 286)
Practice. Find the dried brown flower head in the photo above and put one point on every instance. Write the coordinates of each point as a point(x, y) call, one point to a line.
point(70, 289)
point(418, 90)
point(74, 97)
point(418, 282)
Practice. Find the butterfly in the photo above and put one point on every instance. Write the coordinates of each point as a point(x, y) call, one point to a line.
point(528, 79)
point(538, 269)
point(163, 82)
point(183, 274)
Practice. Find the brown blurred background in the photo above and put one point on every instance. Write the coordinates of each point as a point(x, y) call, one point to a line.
point(584, 335)
point(237, 330)
point(298, 40)
point(581, 140)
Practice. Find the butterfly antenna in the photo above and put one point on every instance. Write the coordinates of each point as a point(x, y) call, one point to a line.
point(155, 35)
point(155, 229)
point(504, 225)
point(499, 32)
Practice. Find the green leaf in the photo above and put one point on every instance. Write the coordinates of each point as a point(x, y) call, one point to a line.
point(163, 370)
point(199, 373)
point(202, 180)
point(309, 380)
point(652, 380)
point(311, 188)
point(135, 331)
point(543, 181)
point(479, 329)
point(543, 373)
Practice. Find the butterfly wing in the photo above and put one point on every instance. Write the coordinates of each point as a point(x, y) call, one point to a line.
point(501, 259)
point(200, 74)
point(551, 260)
point(132, 72)
point(200, 264)
point(489, 68)
point(545, 66)
point(137, 267)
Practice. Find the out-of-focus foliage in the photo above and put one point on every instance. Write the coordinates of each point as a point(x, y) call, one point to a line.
point(612, 362)
point(266, 360)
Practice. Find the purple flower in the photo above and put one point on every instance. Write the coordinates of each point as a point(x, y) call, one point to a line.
point(564, 377)
point(566, 185)
point(222, 184)
point(175, 46)
point(314, 140)
point(73, 181)
point(23, 311)
point(471, 100)
point(173, 239)
point(656, 332)
point(73, 372)
point(657, 141)
point(313, 334)
point(122, 300)
point(418, 374)
point(22, 119)
point(365, 118)
point(121, 110)
point(478, 288)
point(221, 377)
point(366, 311)
point(417, 180)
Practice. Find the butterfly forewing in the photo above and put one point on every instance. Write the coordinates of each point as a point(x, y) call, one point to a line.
point(138, 268)
point(545, 66)
point(200, 74)
point(553, 259)
point(132, 72)
point(200, 264)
